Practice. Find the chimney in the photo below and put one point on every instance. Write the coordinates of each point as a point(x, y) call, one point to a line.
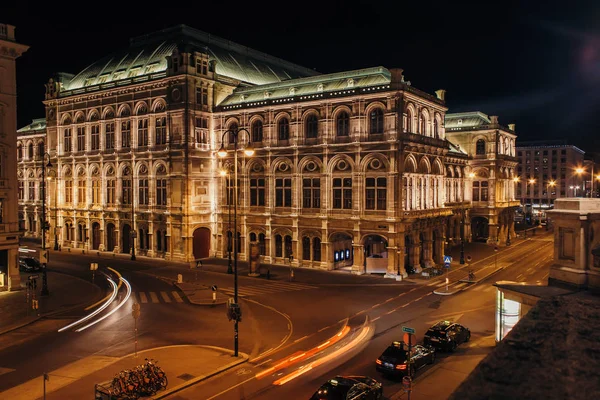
point(397, 75)
point(441, 94)
point(511, 127)
point(494, 119)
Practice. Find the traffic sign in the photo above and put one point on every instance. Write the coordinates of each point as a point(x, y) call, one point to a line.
point(408, 330)
point(447, 259)
point(407, 383)
point(214, 288)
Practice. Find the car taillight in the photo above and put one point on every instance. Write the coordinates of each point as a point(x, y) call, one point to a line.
point(401, 366)
point(378, 361)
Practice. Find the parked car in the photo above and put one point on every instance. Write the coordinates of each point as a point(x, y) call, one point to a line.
point(446, 335)
point(29, 264)
point(349, 387)
point(393, 360)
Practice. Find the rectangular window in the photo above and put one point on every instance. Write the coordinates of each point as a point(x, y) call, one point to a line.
point(32, 191)
point(475, 191)
point(126, 191)
point(110, 192)
point(67, 140)
point(68, 192)
point(125, 134)
point(484, 191)
point(81, 188)
point(143, 132)
point(96, 184)
point(95, 137)
point(161, 130)
point(21, 190)
point(375, 193)
point(230, 190)
point(201, 130)
point(110, 136)
point(202, 96)
point(143, 191)
point(283, 192)
point(81, 138)
point(311, 193)
point(342, 193)
point(201, 66)
point(161, 192)
point(257, 192)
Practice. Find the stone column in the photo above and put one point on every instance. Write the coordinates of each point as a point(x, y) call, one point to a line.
point(358, 266)
point(415, 254)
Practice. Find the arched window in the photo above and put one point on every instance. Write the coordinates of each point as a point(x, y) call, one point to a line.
point(30, 151)
point(252, 237)
point(257, 131)
point(19, 152)
point(409, 120)
point(480, 147)
point(278, 246)
point(261, 244)
point(306, 248)
point(312, 127)
point(342, 124)
point(233, 128)
point(316, 249)
point(288, 246)
point(283, 129)
point(436, 132)
point(376, 121)
point(41, 149)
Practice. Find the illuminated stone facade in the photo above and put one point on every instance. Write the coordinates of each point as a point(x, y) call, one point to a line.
point(10, 50)
point(352, 169)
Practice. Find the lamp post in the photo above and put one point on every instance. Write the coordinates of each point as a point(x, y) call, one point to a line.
point(133, 231)
point(44, 291)
point(249, 151)
point(226, 174)
point(579, 171)
point(551, 183)
point(56, 213)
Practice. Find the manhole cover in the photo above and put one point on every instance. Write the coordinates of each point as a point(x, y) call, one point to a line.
point(186, 377)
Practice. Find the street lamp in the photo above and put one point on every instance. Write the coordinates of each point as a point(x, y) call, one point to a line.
point(55, 210)
point(224, 174)
point(249, 151)
point(44, 291)
point(579, 171)
point(551, 183)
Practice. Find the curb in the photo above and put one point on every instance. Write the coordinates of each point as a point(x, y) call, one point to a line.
point(208, 302)
point(51, 313)
point(191, 382)
point(467, 281)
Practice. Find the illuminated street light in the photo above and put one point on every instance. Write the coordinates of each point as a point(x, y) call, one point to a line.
point(248, 151)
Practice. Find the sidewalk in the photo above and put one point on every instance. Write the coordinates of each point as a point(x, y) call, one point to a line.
point(184, 366)
point(66, 292)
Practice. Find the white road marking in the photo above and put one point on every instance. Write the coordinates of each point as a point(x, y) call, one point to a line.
point(177, 297)
point(143, 297)
point(302, 338)
point(264, 362)
point(165, 297)
point(154, 297)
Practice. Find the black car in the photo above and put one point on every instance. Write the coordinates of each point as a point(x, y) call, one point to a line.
point(29, 264)
point(349, 387)
point(446, 335)
point(393, 361)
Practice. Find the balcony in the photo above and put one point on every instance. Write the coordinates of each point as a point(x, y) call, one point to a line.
point(428, 213)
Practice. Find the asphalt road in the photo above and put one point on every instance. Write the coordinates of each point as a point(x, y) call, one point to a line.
point(280, 319)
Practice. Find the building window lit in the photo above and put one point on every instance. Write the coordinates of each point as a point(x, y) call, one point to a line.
point(161, 131)
point(110, 192)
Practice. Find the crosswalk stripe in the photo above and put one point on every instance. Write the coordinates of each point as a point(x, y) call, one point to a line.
point(177, 297)
point(165, 297)
point(257, 290)
point(154, 297)
point(143, 297)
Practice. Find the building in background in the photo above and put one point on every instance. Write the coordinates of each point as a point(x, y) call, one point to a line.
point(548, 171)
point(491, 148)
point(9, 222)
point(351, 170)
point(31, 141)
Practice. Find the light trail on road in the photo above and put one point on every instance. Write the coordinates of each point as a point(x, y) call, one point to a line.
point(99, 310)
point(111, 312)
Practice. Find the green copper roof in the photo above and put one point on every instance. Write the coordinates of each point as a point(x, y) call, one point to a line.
point(466, 119)
point(314, 86)
point(36, 126)
point(147, 56)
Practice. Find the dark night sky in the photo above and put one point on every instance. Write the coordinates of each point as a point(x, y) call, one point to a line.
point(535, 63)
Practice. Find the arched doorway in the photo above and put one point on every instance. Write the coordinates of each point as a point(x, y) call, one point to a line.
point(95, 236)
point(201, 243)
point(479, 229)
point(110, 237)
point(125, 234)
point(376, 254)
point(343, 254)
